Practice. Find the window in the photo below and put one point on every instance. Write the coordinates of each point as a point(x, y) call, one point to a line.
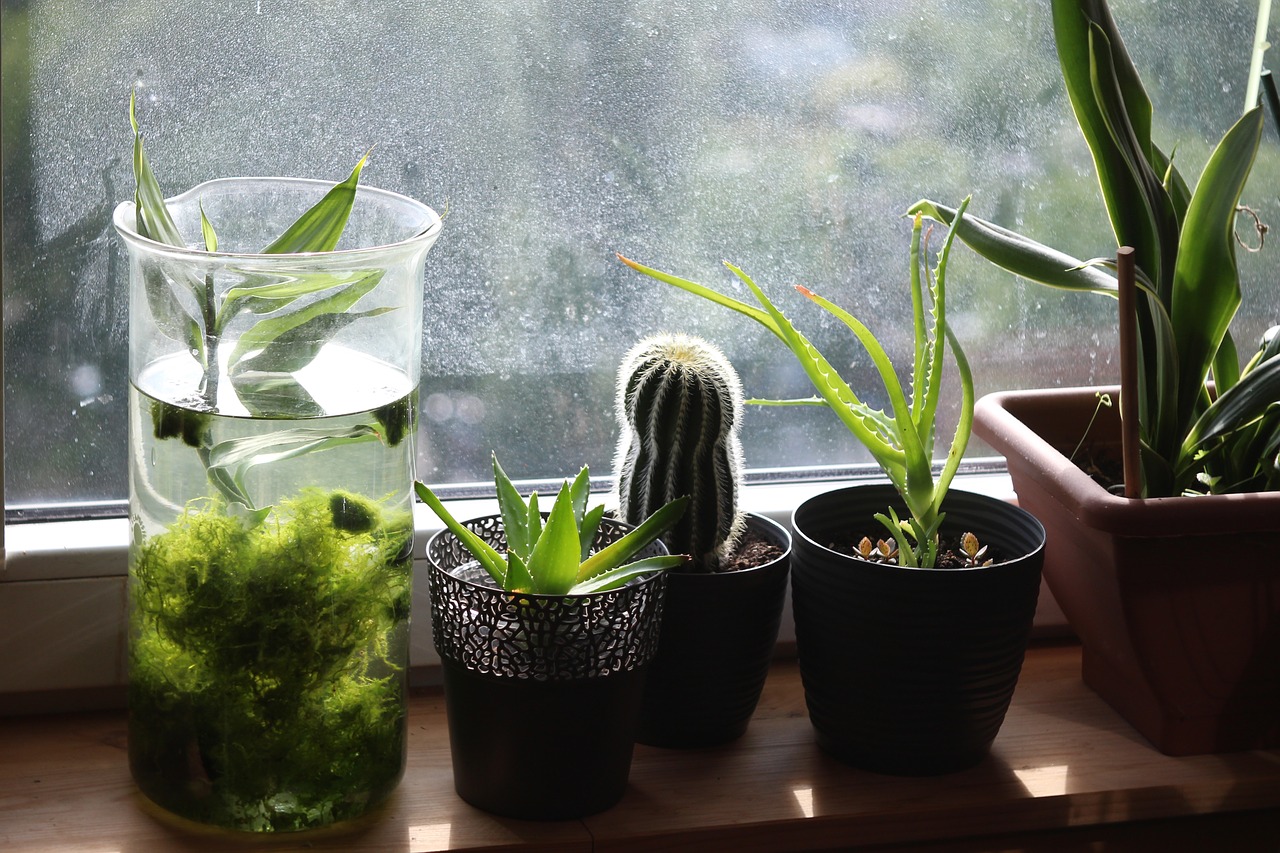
point(785, 136)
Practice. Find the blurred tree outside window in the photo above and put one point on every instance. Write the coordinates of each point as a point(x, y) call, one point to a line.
point(785, 136)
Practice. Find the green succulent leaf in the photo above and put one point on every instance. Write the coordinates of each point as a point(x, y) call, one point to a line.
point(515, 514)
point(488, 556)
point(554, 560)
point(633, 541)
point(615, 578)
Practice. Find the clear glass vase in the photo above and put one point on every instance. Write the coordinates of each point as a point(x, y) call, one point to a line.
point(272, 414)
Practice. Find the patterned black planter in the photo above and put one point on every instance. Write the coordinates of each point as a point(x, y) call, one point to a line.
point(910, 671)
point(542, 692)
point(718, 634)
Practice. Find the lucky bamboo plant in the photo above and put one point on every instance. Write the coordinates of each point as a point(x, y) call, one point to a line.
point(289, 320)
point(901, 440)
point(553, 557)
point(1192, 440)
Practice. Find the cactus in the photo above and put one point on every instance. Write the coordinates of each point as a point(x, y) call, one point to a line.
point(679, 405)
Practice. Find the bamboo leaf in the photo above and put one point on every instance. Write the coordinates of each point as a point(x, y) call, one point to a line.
point(268, 392)
point(153, 219)
point(320, 227)
point(271, 329)
point(229, 462)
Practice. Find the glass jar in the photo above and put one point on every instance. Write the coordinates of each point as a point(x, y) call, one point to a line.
point(272, 417)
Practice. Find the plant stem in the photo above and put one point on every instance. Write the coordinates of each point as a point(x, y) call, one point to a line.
point(211, 335)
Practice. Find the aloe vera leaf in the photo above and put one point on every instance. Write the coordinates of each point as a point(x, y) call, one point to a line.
point(514, 511)
point(580, 491)
point(964, 425)
point(320, 227)
point(907, 445)
point(876, 419)
point(519, 578)
point(1206, 292)
point(263, 333)
point(590, 527)
point(827, 382)
point(611, 556)
point(615, 578)
point(553, 562)
point(705, 292)
point(535, 519)
point(1018, 254)
point(485, 554)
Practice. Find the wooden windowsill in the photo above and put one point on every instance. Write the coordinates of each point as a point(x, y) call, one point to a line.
point(1063, 764)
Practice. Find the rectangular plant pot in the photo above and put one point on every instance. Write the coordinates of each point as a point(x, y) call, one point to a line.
point(1176, 600)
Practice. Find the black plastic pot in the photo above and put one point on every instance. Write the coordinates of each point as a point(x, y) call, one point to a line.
point(542, 692)
point(910, 671)
point(718, 634)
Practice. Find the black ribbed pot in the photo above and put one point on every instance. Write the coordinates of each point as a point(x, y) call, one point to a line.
point(542, 692)
point(718, 634)
point(910, 671)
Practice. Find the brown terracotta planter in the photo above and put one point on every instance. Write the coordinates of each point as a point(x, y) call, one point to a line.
point(1176, 600)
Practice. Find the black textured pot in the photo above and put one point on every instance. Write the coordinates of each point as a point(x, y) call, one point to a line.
point(910, 671)
point(542, 692)
point(718, 634)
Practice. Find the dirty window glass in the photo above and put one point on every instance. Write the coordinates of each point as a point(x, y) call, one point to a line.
point(785, 136)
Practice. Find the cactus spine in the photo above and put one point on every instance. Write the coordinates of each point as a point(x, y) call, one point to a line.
point(679, 405)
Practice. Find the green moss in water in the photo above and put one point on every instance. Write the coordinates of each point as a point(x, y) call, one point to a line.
point(266, 689)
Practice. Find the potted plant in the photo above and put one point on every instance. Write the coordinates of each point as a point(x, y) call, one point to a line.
point(1172, 590)
point(679, 408)
point(545, 631)
point(908, 666)
point(272, 410)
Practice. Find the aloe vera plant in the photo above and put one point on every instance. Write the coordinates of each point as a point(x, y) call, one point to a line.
point(1191, 440)
point(901, 440)
point(553, 556)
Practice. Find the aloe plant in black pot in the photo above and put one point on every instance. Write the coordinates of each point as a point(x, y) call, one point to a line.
point(545, 632)
point(939, 706)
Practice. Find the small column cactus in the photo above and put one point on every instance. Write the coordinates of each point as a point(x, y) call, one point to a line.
point(679, 405)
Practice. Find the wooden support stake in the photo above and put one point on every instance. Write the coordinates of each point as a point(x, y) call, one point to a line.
point(1129, 442)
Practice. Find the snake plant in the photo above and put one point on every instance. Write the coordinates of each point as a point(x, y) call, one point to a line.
point(901, 440)
point(1192, 440)
point(553, 556)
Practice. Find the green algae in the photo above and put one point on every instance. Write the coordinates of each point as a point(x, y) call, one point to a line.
point(267, 681)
